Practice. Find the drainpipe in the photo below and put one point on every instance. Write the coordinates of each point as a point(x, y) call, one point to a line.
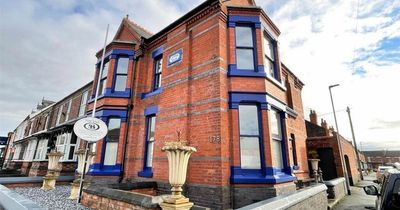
point(130, 107)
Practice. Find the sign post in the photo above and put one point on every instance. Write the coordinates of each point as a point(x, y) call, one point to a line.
point(91, 129)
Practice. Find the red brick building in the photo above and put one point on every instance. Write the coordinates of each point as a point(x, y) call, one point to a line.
point(215, 75)
point(382, 158)
point(323, 144)
point(49, 127)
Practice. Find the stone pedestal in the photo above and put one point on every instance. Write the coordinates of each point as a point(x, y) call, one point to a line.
point(75, 188)
point(81, 161)
point(49, 181)
point(181, 206)
point(178, 157)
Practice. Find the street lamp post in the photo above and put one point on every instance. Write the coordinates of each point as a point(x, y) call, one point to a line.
point(339, 144)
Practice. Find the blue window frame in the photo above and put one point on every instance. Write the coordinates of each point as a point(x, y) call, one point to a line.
point(251, 155)
point(121, 74)
point(157, 72)
point(245, 48)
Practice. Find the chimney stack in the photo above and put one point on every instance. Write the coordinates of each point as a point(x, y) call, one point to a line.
point(325, 126)
point(313, 117)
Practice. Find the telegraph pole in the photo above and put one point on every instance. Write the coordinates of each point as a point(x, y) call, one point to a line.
point(355, 145)
point(344, 168)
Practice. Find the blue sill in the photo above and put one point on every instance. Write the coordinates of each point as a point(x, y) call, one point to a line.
point(155, 92)
point(146, 172)
point(257, 176)
point(118, 94)
point(234, 72)
point(115, 94)
point(97, 169)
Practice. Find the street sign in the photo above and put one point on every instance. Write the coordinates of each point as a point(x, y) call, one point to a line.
point(90, 129)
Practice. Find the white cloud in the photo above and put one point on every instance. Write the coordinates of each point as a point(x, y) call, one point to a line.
point(324, 56)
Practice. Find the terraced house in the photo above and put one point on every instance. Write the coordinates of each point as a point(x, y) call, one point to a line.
point(215, 75)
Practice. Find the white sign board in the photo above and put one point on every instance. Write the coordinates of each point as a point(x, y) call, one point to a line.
point(90, 129)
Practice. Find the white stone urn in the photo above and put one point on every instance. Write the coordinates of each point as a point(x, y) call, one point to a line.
point(49, 181)
point(178, 153)
point(81, 162)
point(314, 168)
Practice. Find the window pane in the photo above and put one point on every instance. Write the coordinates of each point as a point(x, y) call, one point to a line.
point(102, 86)
point(244, 36)
point(275, 122)
point(104, 72)
point(73, 138)
point(277, 160)
point(158, 65)
point(84, 97)
point(152, 123)
point(245, 59)
point(122, 67)
point(71, 153)
point(114, 125)
point(250, 153)
point(120, 83)
point(157, 81)
point(149, 160)
point(110, 156)
point(82, 107)
point(269, 67)
point(248, 120)
point(268, 48)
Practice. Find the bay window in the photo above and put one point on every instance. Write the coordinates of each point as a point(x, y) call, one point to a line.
point(112, 139)
point(121, 74)
point(245, 48)
point(103, 78)
point(276, 133)
point(249, 129)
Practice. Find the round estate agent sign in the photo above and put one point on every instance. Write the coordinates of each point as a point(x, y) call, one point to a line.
point(90, 129)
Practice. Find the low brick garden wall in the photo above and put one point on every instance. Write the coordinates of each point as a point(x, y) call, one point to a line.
point(122, 196)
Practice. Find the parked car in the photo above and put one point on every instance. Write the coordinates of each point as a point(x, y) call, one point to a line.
point(388, 197)
point(381, 171)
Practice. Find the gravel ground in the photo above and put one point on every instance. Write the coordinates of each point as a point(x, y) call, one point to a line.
point(52, 199)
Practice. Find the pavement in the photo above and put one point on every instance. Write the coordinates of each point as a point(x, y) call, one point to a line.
point(358, 200)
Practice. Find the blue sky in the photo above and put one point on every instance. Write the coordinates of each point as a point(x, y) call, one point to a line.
point(47, 50)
